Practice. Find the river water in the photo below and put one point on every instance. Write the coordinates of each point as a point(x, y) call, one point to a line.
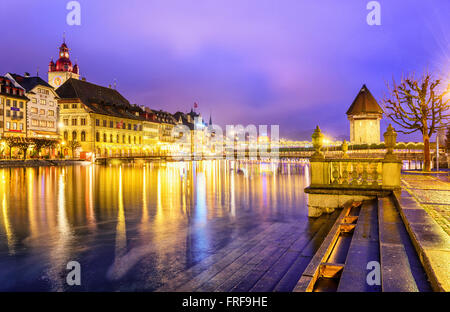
point(134, 226)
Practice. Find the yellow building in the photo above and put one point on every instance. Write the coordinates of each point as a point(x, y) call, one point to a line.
point(13, 122)
point(100, 119)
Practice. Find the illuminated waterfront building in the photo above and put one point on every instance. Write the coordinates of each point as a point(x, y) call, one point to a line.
point(12, 109)
point(364, 115)
point(62, 70)
point(42, 107)
point(100, 119)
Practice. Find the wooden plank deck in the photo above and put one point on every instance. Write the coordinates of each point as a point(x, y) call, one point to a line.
point(271, 258)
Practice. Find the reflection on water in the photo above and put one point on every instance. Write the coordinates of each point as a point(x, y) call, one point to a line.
point(133, 227)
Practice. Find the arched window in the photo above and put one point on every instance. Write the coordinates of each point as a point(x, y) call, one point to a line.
point(66, 135)
point(123, 139)
point(111, 138)
point(104, 137)
point(83, 136)
point(118, 139)
point(140, 140)
point(74, 136)
point(134, 140)
point(129, 139)
point(97, 137)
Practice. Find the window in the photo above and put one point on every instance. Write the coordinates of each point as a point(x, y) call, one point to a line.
point(129, 126)
point(123, 139)
point(104, 137)
point(83, 136)
point(66, 122)
point(34, 122)
point(66, 106)
point(50, 103)
point(129, 139)
point(21, 126)
point(21, 114)
point(8, 125)
point(34, 110)
point(42, 101)
point(140, 140)
point(104, 123)
point(43, 123)
point(97, 122)
point(21, 104)
point(42, 112)
point(74, 135)
point(33, 100)
point(66, 135)
point(134, 140)
point(74, 122)
point(14, 125)
point(111, 138)
point(14, 103)
point(97, 137)
point(118, 139)
point(83, 121)
point(74, 106)
point(8, 102)
point(111, 124)
point(50, 124)
point(51, 113)
point(8, 113)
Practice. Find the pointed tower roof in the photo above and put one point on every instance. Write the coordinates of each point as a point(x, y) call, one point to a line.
point(364, 103)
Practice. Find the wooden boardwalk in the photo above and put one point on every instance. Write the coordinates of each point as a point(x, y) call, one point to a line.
point(272, 258)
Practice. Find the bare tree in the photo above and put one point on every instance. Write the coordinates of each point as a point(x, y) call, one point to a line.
point(418, 105)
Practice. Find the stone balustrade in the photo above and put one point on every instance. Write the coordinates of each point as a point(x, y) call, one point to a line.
point(337, 180)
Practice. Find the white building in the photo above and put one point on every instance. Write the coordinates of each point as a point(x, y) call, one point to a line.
point(42, 108)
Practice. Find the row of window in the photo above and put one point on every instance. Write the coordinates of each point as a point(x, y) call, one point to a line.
point(118, 124)
point(42, 101)
point(42, 123)
point(111, 139)
point(15, 103)
point(67, 106)
point(12, 125)
point(13, 114)
point(35, 110)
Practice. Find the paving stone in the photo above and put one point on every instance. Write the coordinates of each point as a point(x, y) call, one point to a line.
point(395, 271)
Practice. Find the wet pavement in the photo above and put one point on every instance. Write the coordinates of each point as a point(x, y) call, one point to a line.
point(175, 226)
point(433, 193)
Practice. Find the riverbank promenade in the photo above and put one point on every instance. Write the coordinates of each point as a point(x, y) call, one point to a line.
point(424, 205)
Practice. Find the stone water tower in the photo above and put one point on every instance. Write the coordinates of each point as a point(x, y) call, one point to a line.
point(364, 115)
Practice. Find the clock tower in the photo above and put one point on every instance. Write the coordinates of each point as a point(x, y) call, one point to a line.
point(62, 70)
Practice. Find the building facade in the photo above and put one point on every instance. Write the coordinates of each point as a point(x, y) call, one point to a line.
point(12, 109)
point(42, 107)
point(364, 115)
point(100, 119)
point(62, 70)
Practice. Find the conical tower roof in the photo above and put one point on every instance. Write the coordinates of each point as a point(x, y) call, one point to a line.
point(364, 103)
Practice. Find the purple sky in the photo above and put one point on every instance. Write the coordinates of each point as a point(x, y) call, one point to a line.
point(295, 63)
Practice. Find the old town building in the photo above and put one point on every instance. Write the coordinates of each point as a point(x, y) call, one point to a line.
point(42, 107)
point(100, 119)
point(12, 109)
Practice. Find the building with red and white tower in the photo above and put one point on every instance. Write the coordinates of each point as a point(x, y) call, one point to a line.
point(62, 70)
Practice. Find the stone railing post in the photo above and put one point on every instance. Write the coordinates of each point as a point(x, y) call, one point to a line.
point(344, 149)
point(392, 166)
point(320, 174)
